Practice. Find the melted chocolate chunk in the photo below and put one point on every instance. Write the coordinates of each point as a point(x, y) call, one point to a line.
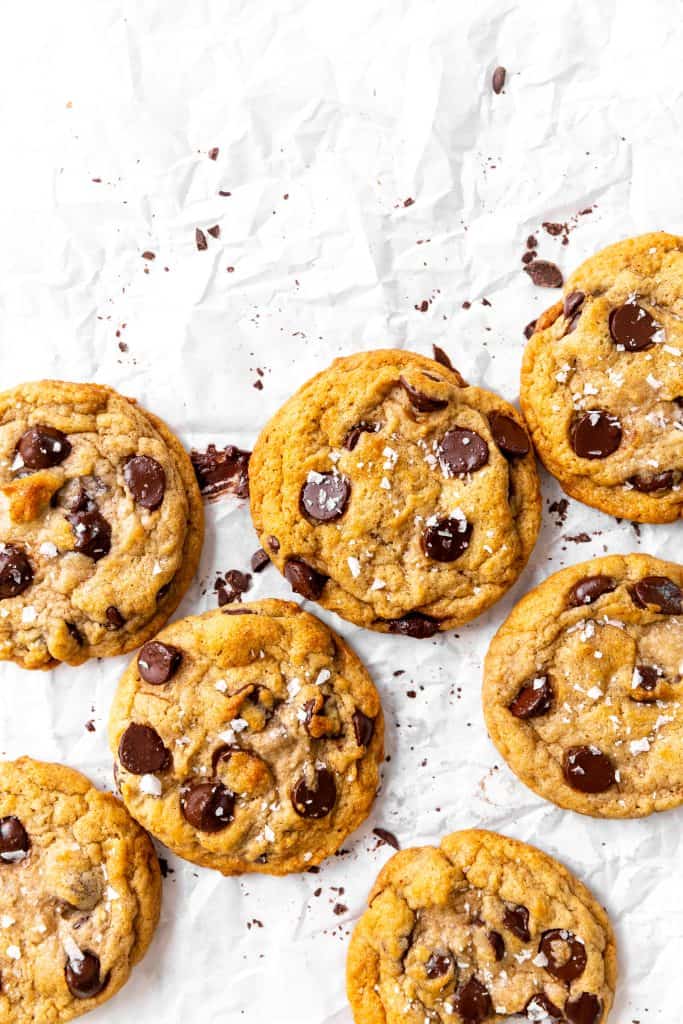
point(572, 304)
point(207, 806)
point(462, 451)
point(595, 434)
point(541, 1004)
point(472, 1001)
point(92, 533)
point(421, 402)
point(415, 625)
point(222, 472)
point(146, 480)
point(363, 727)
point(115, 619)
point(83, 976)
point(16, 572)
point(545, 274)
point(516, 918)
point(41, 447)
point(141, 750)
point(659, 591)
point(304, 579)
point(318, 801)
point(353, 436)
point(274, 544)
point(224, 753)
point(583, 1009)
point(651, 483)
point(498, 80)
point(14, 840)
point(589, 589)
point(534, 698)
point(157, 662)
point(497, 944)
point(324, 496)
point(566, 955)
point(588, 770)
point(79, 494)
point(447, 539)
point(438, 965)
point(632, 326)
point(509, 436)
point(648, 677)
point(259, 560)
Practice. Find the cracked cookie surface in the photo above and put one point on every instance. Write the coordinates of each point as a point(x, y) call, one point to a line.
point(602, 381)
point(394, 494)
point(80, 891)
point(583, 687)
point(101, 523)
point(248, 739)
point(476, 931)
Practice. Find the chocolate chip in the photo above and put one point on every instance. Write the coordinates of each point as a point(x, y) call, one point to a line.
point(438, 965)
point(529, 329)
point(157, 662)
point(595, 434)
point(224, 753)
point(442, 357)
point(498, 80)
point(146, 480)
point(516, 918)
point(14, 840)
point(566, 955)
point(41, 447)
point(497, 944)
point(259, 560)
point(572, 304)
point(114, 618)
point(540, 1005)
point(353, 436)
point(647, 679)
point(472, 1001)
point(510, 437)
point(207, 806)
point(222, 472)
point(588, 770)
point(274, 544)
point(533, 699)
point(650, 483)
point(74, 632)
point(163, 591)
point(92, 533)
point(589, 589)
point(447, 539)
point(659, 591)
point(79, 494)
point(324, 496)
point(141, 750)
point(415, 625)
point(364, 728)
point(583, 1009)
point(462, 451)
point(545, 274)
point(420, 401)
point(632, 326)
point(83, 976)
point(304, 579)
point(318, 800)
point(16, 572)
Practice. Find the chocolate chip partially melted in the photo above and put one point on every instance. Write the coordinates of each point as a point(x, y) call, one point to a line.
point(497, 943)
point(583, 1009)
point(472, 1001)
point(659, 591)
point(324, 496)
point(632, 327)
point(146, 480)
point(415, 625)
point(363, 727)
point(539, 1005)
point(41, 447)
point(510, 437)
point(653, 483)
point(304, 579)
point(438, 965)
point(157, 662)
point(420, 401)
point(595, 434)
point(588, 770)
point(566, 955)
point(516, 919)
point(16, 572)
point(92, 534)
point(142, 751)
point(83, 976)
point(462, 451)
point(315, 801)
point(647, 678)
point(354, 434)
point(589, 589)
point(115, 619)
point(14, 840)
point(534, 698)
point(207, 806)
point(447, 539)
point(572, 304)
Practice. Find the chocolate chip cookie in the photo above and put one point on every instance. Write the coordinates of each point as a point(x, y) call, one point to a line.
point(602, 381)
point(80, 891)
point(101, 523)
point(248, 739)
point(583, 687)
point(480, 929)
point(396, 495)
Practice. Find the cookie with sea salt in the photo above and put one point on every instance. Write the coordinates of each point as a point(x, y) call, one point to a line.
point(583, 687)
point(602, 381)
point(80, 892)
point(101, 523)
point(478, 930)
point(396, 495)
point(248, 739)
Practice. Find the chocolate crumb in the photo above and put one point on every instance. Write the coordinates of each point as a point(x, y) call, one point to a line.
point(213, 153)
point(409, 201)
point(498, 80)
point(387, 837)
point(560, 508)
point(90, 726)
point(149, 255)
point(222, 472)
point(544, 274)
point(200, 239)
point(215, 231)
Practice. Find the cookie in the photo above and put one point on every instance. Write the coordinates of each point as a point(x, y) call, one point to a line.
point(602, 381)
point(395, 495)
point(479, 930)
point(80, 892)
point(101, 523)
point(583, 687)
point(248, 739)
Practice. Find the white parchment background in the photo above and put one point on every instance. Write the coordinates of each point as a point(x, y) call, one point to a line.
point(347, 109)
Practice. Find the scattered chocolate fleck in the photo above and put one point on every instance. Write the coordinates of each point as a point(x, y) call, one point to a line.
point(339, 909)
point(423, 306)
point(165, 868)
point(408, 202)
point(200, 240)
point(498, 80)
point(545, 274)
point(385, 836)
point(90, 726)
point(222, 193)
point(532, 242)
point(560, 507)
point(215, 231)
point(213, 153)
point(148, 255)
point(222, 472)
